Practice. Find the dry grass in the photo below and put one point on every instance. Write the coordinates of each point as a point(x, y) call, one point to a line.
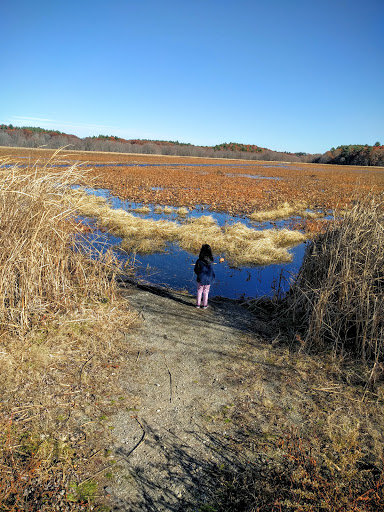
point(142, 209)
point(59, 391)
point(339, 292)
point(38, 271)
point(285, 211)
point(306, 435)
point(240, 244)
point(314, 186)
point(60, 344)
point(182, 212)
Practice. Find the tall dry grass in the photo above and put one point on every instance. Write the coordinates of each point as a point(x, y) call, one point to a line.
point(61, 344)
point(338, 296)
point(43, 267)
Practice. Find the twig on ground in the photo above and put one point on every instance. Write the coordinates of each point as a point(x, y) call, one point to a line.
point(82, 368)
point(170, 379)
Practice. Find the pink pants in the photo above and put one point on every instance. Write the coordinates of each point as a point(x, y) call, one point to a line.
point(202, 290)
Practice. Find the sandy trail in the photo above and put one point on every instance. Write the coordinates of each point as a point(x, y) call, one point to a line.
point(180, 365)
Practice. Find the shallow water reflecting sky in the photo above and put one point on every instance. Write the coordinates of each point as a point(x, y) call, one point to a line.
point(174, 268)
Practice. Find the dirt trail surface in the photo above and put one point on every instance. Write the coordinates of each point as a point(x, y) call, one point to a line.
point(169, 448)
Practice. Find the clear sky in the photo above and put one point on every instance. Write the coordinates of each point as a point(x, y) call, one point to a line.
point(289, 75)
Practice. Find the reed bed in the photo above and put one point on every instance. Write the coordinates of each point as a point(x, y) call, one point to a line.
point(240, 244)
point(339, 293)
point(43, 267)
point(60, 318)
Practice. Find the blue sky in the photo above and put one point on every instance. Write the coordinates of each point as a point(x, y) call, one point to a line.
point(288, 75)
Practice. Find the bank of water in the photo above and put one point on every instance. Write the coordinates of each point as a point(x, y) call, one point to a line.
point(174, 267)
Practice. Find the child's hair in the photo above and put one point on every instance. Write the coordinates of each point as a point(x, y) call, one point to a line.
point(206, 252)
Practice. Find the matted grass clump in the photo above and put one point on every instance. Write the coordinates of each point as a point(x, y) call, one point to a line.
point(284, 211)
point(240, 244)
point(338, 296)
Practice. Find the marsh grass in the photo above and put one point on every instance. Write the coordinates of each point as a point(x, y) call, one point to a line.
point(39, 273)
point(240, 244)
point(338, 296)
point(285, 211)
point(182, 212)
point(61, 343)
point(329, 399)
point(142, 209)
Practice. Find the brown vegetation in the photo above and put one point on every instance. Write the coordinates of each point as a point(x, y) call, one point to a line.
point(62, 344)
point(39, 272)
point(59, 314)
point(220, 188)
point(339, 292)
point(241, 245)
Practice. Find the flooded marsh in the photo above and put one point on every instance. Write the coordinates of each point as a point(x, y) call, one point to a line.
point(256, 215)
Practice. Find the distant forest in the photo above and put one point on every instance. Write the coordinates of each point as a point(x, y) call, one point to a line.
point(34, 137)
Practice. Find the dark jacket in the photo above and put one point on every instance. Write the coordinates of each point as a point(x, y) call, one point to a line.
point(204, 271)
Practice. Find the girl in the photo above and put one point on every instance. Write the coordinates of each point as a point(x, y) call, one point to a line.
point(205, 275)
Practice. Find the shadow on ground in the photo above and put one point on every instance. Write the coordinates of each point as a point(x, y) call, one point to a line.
point(188, 477)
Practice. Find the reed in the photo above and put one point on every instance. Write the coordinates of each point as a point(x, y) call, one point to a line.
point(42, 262)
point(339, 293)
point(59, 312)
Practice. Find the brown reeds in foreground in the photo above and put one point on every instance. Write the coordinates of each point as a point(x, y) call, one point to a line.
point(59, 320)
point(240, 244)
point(339, 293)
point(42, 266)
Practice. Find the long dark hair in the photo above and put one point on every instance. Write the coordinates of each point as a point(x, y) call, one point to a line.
point(206, 253)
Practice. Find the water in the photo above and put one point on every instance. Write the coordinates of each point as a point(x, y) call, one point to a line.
point(221, 218)
point(174, 268)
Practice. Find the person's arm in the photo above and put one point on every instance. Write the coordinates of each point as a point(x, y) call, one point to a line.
point(197, 268)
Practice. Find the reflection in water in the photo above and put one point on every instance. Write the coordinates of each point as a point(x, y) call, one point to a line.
point(174, 268)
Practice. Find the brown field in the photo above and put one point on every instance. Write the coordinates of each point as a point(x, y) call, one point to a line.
point(299, 185)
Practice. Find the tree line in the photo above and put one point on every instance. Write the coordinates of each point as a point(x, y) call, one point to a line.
point(34, 137)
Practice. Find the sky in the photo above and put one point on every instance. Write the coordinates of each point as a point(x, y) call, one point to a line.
point(288, 75)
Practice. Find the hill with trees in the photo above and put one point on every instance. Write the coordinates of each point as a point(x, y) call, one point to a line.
point(31, 136)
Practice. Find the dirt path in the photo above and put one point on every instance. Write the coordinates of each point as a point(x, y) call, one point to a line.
point(169, 448)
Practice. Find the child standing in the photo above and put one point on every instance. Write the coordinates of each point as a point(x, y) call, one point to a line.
point(205, 275)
